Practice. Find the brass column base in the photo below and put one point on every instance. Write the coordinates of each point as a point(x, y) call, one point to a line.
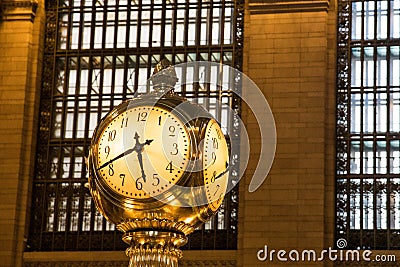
point(154, 248)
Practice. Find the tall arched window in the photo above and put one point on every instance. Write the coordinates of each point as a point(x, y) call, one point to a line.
point(97, 53)
point(368, 124)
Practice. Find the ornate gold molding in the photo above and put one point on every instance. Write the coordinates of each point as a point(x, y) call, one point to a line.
point(287, 6)
point(192, 258)
point(134, 224)
point(18, 10)
point(183, 263)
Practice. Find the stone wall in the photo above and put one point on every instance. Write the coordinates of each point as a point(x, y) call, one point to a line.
point(290, 54)
point(21, 46)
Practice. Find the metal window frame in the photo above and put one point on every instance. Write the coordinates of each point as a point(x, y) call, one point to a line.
point(59, 59)
point(355, 186)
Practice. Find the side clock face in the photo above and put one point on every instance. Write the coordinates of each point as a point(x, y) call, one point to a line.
point(142, 152)
point(215, 164)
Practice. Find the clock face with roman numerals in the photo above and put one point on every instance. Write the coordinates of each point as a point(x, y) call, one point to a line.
point(143, 152)
point(215, 164)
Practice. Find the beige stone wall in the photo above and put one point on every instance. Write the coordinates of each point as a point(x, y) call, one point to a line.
point(290, 54)
point(21, 26)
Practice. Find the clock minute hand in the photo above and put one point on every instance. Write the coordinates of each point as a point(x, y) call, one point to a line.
point(127, 152)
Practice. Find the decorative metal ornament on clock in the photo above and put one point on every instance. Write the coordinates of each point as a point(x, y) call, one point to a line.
point(158, 169)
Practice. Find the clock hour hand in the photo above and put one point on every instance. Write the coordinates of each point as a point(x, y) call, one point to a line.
point(127, 152)
point(222, 173)
point(138, 148)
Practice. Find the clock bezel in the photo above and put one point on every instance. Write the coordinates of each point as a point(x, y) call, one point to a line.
point(167, 104)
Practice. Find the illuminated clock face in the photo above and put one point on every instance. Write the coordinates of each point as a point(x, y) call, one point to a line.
point(143, 152)
point(215, 164)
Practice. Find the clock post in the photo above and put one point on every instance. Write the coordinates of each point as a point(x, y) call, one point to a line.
point(156, 171)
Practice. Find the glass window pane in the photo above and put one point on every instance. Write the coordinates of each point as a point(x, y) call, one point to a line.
point(368, 113)
point(395, 26)
point(355, 157)
point(368, 157)
point(356, 20)
point(395, 157)
point(394, 107)
point(355, 126)
point(394, 71)
point(356, 64)
point(369, 20)
point(368, 67)
point(381, 157)
point(381, 112)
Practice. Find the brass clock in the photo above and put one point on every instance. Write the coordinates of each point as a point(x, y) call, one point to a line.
point(158, 168)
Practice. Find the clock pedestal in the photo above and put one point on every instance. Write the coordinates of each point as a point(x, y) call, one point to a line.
point(154, 242)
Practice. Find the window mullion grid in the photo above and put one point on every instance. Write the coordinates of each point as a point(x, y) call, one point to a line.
point(69, 27)
point(210, 26)
point(81, 23)
point(363, 20)
point(151, 29)
point(128, 25)
point(186, 25)
point(376, 20)
point(163, 19)
point(137, 66)
point(80, 211)
point(375, 138)
point(374, 207)
point(375, 100)
point(348, 207)
point(174, 27)
point(69, 194)
point(125, 77)
point(57, 202)
point(66, 193)
point(91, 222)
point(76, 101)
point(117, 24)
point(104, 26)
point(388, 208)
point(388, 91)
point(126, 54)
point(363, 225)
point(42, 227)
point(86, 137)
point(362, 92)
point(93, 24)
point(102, 95)
point(199, 22)
point(222, 25)
point(113, 77)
